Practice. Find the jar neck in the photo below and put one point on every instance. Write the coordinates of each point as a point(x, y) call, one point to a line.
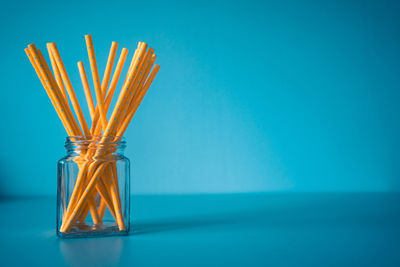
point(101, 146)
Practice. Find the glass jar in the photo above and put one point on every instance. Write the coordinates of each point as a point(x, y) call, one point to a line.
point(93, 191)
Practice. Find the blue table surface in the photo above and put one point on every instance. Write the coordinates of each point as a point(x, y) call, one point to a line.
point(275, 229)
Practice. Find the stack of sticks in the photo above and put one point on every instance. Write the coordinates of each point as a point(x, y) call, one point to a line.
point(95, 177)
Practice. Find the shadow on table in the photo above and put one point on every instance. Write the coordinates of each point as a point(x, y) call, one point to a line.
point(181, 223)
point(318, 210)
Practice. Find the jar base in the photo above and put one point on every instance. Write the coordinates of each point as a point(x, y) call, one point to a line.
point(84, 230)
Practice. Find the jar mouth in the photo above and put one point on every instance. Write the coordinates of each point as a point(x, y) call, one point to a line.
point(96, 140)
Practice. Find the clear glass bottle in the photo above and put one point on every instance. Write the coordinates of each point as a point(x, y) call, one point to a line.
point(93, 192)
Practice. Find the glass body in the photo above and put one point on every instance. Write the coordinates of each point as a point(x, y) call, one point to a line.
point(93, 188)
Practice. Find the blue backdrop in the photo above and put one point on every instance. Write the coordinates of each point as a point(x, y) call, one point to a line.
point(252, 96)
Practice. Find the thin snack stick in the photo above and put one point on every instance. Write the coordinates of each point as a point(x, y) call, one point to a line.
point(112, 175)
point(102, 208)
point(136, 105)
point(142, 70)
point(115, 173)
point(74, 100)
point(142, 82)
point(93, 210)
point(86, 88)
point(58, 77)
point(55, 93)
point(102, 189)
point(121, 103)
point(96, 79)
point(111, 90)
point(134, 58)
point(59, 113)
point(89, 207)
point(109, 66)
point(115, 196)
point(83, 213)
point(57, 96)
point(117, 204)
point(107, 180)
point(138, 87)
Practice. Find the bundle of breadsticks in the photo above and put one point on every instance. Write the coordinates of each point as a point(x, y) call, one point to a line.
point(89, 182)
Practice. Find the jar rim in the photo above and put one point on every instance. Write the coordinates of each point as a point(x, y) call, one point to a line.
point(97, 136)
point(95, 139)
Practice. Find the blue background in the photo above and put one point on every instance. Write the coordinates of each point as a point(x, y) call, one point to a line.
point(252, 96)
